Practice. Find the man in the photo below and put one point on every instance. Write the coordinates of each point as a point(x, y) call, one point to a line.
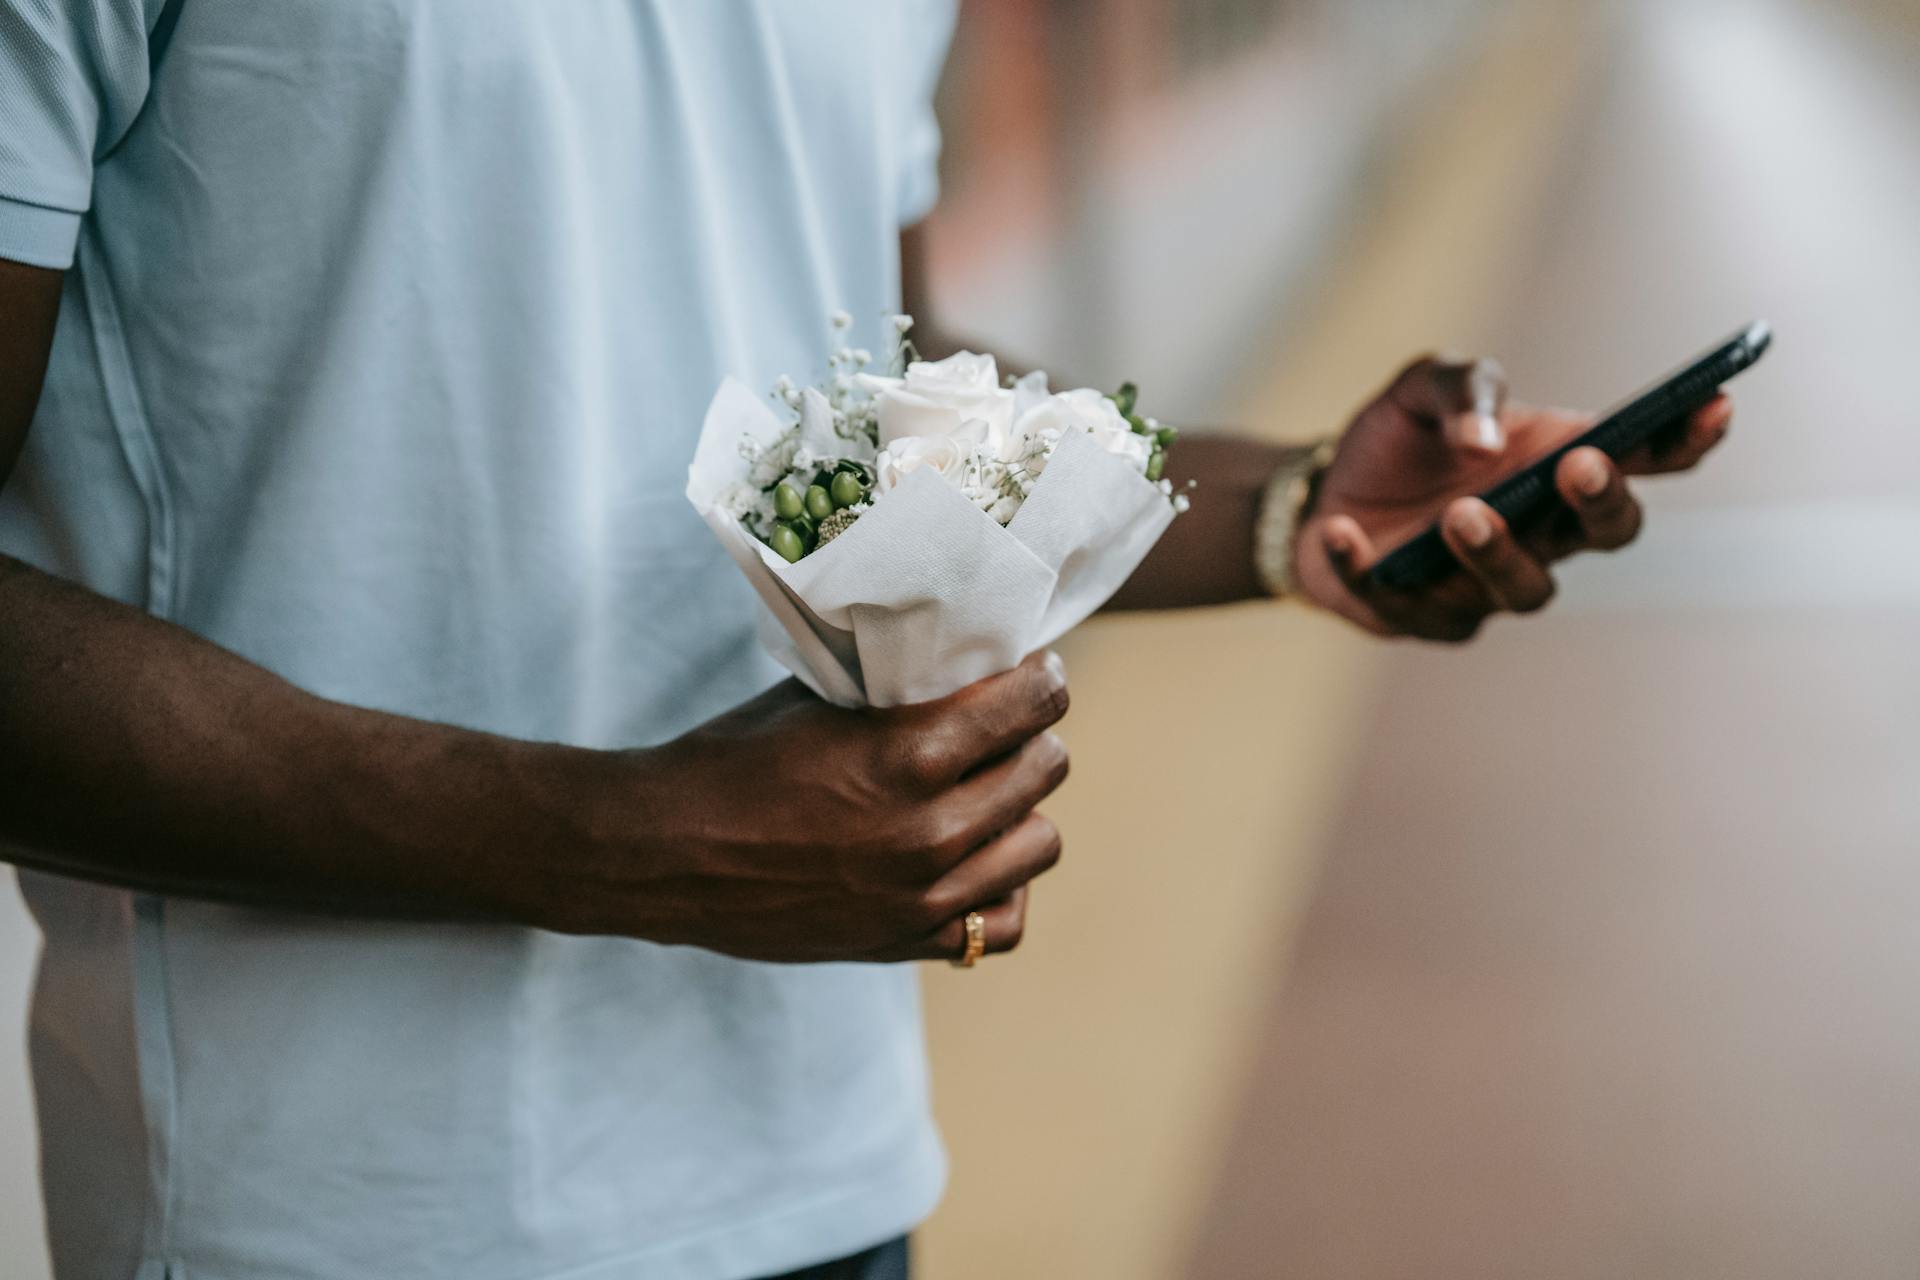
point(410, 813)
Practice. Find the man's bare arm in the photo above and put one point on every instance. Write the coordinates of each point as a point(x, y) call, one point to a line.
point(29, 301)
point(133, 751)
point(139, 754)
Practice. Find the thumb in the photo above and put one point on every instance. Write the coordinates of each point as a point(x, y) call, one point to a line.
point(1461, 399)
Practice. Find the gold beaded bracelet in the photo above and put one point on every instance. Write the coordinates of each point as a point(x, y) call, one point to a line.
point(1283, 506)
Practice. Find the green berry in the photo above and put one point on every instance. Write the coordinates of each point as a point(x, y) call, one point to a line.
point(1165, 436)
point(1156, 463)
point(819, 503)
point(787, 502)
point(1139, 425)
point(786, 543)
point(847, 489)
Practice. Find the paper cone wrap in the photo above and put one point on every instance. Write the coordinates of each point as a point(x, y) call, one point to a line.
point(926, 593)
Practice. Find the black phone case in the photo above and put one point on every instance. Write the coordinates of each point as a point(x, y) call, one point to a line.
point(1527, 493)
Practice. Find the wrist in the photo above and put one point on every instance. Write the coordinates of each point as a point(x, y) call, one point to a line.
point(482, 827)
point(1285, 504)
point(593, 823)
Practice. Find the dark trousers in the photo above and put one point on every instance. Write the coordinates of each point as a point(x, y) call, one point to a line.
point(886, 1262)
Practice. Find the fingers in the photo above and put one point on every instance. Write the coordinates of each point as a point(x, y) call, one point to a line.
point(1462, 397)
point(1450, 610)
point(1030, 849)
point(1596, 488)
point(937, 743)
point(1687, 447)
point(1485, 547)
point(1350, 554)
point(1006, 927)
point(999, 796)
point(1593, 487)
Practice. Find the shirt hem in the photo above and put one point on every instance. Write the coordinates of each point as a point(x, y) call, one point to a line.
point(873, 1211)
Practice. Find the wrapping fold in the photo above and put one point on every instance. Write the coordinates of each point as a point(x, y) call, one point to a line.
point(926, 593)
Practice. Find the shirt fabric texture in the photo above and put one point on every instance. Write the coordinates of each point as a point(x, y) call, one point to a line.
point(387, 337)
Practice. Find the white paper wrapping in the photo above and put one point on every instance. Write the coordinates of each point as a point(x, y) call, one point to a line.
point(925, 593)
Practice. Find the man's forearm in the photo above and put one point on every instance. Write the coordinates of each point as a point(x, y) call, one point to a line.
point(136, 753)
point(1206, 556)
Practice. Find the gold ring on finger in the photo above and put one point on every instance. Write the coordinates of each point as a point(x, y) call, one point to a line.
point(976, 941)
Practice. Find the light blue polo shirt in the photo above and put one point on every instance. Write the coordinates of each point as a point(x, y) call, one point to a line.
point(388, 333)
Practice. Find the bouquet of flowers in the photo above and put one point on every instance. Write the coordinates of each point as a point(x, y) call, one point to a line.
point(913, 532)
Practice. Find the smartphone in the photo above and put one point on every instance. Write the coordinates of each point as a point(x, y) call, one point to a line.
point(1529, 492)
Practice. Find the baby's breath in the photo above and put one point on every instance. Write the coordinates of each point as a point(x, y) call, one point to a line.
point(798, 496)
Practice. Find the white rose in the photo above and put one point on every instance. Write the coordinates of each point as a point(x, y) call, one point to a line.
point(949, 455)
point(1082, 409)
point(1029, 391)
point(939, 398)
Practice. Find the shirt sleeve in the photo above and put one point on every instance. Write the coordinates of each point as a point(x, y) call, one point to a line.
point(73, 75)
point(929, 33)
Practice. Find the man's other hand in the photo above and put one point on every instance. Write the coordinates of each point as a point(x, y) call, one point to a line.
point(1440, 433)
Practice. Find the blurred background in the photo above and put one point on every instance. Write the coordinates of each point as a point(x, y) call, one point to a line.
point(1591, 948)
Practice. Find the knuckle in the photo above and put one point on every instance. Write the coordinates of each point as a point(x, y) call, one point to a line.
point(1422, 365)
point(1054, 759)
point(1051, 698)
point(1458, 630)
point(918, 849)
point(1612, 502)
point(1615, 532)
point(945, 837)
point(1052, 846)
point(932, 908)
point(1536, 600)
point(938, 942)
point(1490, 557)
point(1409, 385)
point(920, 756)
point(925, 864)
